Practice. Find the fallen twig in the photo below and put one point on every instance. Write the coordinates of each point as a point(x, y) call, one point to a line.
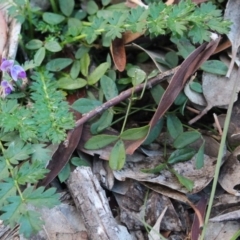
point(125, 94)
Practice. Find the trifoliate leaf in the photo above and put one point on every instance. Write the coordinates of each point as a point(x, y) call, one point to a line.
point(53, 18)
point(199, 161)
point(187, 183)
point(181, 155)
point(109, 87)
point(135, 133)
point(100, 141)
point(58, 64)
point(34, 44)
point(186, 138)
point(157, 169)
point(84, 105)
point(53, 46)
point(66, 7)
point(117, 156)
point(174, 125)
point(65, 173)
point(97, 73)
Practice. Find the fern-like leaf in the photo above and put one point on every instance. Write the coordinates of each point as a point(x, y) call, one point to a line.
point(51, 111)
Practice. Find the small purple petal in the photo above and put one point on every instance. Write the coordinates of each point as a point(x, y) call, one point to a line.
point(17, 72)
point(7, 87)
point(6, 65)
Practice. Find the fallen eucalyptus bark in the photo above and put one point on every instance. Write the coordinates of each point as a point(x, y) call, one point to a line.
point(92, 203)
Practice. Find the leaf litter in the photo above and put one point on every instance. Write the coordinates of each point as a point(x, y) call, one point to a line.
point(154, 198)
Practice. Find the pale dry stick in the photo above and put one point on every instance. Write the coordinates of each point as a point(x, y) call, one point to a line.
point(126, 94)
point(217, 124)
point(193, 110)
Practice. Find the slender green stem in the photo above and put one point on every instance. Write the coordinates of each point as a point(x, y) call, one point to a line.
point(136, 110)
point(236, 235)
point(127, 113)
point(220, 154)
point(54, 6)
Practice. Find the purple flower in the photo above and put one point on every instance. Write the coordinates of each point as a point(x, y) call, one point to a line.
point(17, 72)
point(6, 87)
point(6, 65)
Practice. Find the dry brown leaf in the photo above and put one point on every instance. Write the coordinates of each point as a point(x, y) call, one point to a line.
point(197, 226)
point(154, 233)
point(166, 191)
point(117, 49)
point(3, 33)
point(232, 13)
point(193, 96)
point(200, 177)
point(130, 36)
point(229, 176)
point(133, 207)
point(233, 215)
point(217, 91)
point(222, 231)
point(189, 66)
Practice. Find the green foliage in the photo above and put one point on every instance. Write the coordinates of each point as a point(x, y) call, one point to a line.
point(40, 113)
point(16, 205)
point(50, 111)
point(117, 156)
point(185, 19)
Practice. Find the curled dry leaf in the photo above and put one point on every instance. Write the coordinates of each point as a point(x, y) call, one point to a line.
point(217, 91)
point(233, 215)
point(117, 49)
point(3, 33)
point(232, 13)
point(200, 177)
point(153, 234)
point(222, 230)
point(187, 169)
point(166, 191)
point(133, 206)
point(193, 96)
point(229, 176)
point(197, 226)
point(189, 66)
